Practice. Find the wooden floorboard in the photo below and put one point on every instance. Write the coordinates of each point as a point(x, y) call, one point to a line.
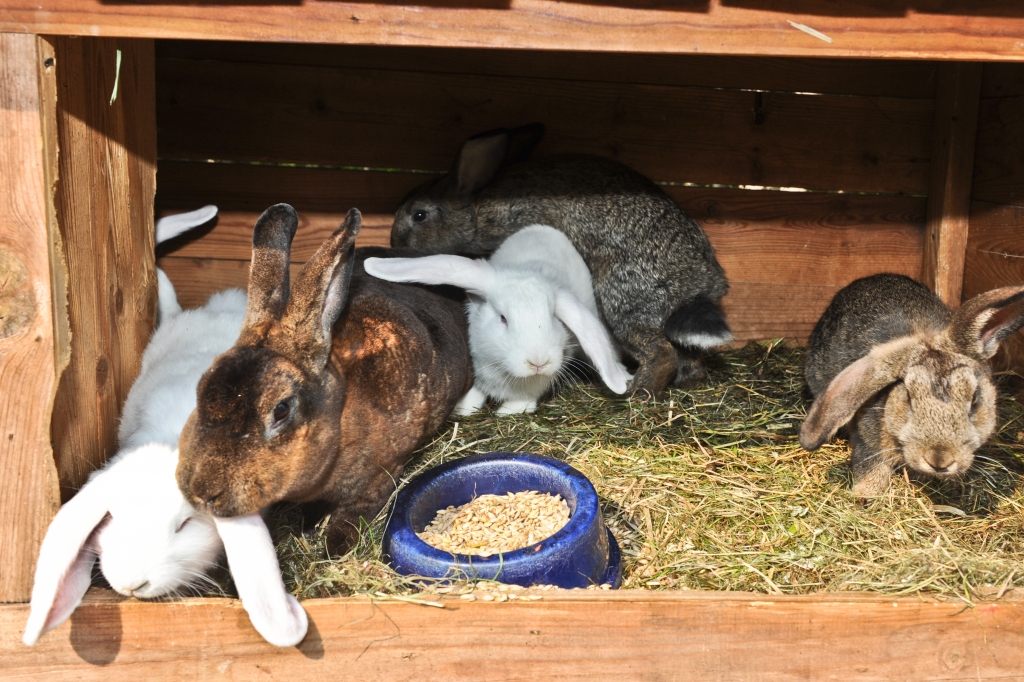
point(569, 636)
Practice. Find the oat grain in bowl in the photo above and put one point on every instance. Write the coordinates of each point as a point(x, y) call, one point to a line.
point(492, 524)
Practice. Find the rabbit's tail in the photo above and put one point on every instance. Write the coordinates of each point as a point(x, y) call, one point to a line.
point(700, 323)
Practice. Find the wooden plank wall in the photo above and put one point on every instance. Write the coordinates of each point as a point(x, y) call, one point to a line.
point(104, 203)
point(995, 245)
point(847, 141)
point(28, 337)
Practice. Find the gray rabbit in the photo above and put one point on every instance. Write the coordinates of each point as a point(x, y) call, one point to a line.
point(656, 279)
point(908, 374)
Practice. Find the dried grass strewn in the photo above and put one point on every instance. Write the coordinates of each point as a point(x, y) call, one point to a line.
point(709, 489)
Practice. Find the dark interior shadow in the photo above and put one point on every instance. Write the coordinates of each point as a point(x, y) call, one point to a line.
point(96, 630)
point(312, 646)
point(883, 8)
point(171, 245)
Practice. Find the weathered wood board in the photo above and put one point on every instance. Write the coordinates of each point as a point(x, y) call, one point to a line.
point(609, 636)
point(104, 202)
point(28, 373)
point(926, 29)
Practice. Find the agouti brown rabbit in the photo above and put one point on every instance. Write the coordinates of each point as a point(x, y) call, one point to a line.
point(908, 374)
point(329, 388)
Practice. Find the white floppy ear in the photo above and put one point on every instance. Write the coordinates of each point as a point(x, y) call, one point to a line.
point(593, 338)
point(66, 558)
point(475, 276)
point(171, 226)
point(274, 613)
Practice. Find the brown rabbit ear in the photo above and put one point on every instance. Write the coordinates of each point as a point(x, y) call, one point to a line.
point(321, 291)
point(479, 160)
point(854, 386)
point(268, 274)
point(970, 330)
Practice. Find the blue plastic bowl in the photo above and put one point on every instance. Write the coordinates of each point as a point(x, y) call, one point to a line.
point(582, 553)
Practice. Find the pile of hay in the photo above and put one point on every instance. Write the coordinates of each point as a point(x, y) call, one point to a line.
point(709, 489)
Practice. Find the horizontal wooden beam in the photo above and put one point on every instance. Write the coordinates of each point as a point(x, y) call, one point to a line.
point(565, 636)
point(961, 30)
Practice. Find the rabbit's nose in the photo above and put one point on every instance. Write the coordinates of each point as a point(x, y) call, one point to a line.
point(941, 459)
point(538, 365)
point(133, 590)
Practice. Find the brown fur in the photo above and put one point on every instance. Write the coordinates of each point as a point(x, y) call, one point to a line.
point(907, 374)
point(368, 368)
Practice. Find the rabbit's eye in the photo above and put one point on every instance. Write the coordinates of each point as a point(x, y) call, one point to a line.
point(281, 411)
point(183, 523)
point(504, 321)
point(419, 216)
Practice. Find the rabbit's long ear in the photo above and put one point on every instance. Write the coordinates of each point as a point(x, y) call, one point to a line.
point(475, 276)
point(275, 614)
point(268, 274)
point(171, 226)
point(979, 327)
point(66, 558)
point(854, 386)
point(483, 156)
point(593, 338)
point(321, 290)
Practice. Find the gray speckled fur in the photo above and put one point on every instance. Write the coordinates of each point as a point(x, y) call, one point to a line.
point(646, 256)
point(864, 315)
point(867, 313)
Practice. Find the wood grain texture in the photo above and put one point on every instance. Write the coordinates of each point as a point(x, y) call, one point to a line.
point(568, 637)
point(926, 29)
point(1000, 79)
point(105, 211)
point(785, 254)
point(999, 151)
point(957, 98)
point(28, 479)
point(995, 258)
point(414, 120)
point(755, 310)
point(786, 237)
point(875, 77)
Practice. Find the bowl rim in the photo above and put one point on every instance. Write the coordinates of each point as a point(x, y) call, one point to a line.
point(585, 493)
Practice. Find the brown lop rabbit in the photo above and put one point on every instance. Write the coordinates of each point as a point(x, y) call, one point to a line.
point(329, 388)
point(908, 374)
point(656, 279)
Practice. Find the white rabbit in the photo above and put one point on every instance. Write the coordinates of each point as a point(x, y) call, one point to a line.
point(520, 302)
point(130, 514)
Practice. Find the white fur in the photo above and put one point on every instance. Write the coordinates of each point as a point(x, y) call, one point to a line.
point(707, 341)
point(130, 514)
point(540, 284)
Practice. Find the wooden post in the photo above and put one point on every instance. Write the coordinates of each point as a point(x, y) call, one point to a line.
point(28, 375)
point(957, 96)
point(105, 212)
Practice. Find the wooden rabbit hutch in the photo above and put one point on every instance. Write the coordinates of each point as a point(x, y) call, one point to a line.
point(816, 142)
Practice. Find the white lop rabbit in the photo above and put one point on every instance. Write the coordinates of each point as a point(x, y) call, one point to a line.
point(130, 514)
point(520, 303)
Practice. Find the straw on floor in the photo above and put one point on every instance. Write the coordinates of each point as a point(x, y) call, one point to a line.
point(709, 489)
